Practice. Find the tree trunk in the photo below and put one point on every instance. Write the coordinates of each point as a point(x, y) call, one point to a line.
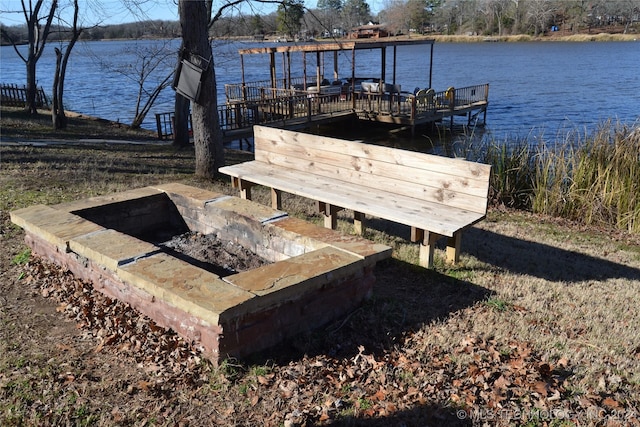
point(30, 106)
point(62, 119)
point(56, 88)
point(37, 39)
point(207, 135)
point(181, 121)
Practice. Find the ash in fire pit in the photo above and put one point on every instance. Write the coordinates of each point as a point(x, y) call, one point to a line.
point(211, 253)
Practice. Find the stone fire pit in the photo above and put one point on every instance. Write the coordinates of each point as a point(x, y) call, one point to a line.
point(315, 274)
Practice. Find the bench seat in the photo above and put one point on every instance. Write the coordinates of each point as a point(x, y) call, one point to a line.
point(422, 214)
point(436, 196)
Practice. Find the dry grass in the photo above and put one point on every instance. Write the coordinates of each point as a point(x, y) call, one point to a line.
point(601, 37)
point(534, 301)
point(590, 178)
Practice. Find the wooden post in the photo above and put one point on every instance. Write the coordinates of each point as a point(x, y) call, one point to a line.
point(431, 66)
point(318, 72)
point(289, 67)
point(353, 78)
point(383, 64)
point(330, 214)
point(276, 198)
point(359, 222)
point(244, 87)
point(395, 51)
point(272, 67)
point(453, 248)
point(243, 186)
point(427, 247)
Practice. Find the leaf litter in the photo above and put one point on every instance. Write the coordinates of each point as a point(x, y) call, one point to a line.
point(478, 381)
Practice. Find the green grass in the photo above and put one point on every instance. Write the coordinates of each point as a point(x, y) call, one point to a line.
point(22, 257)
point(497, 304)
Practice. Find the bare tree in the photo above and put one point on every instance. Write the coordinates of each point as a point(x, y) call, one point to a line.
point(35, 13)
point(626, 10)
point(57, 109)
point(151, 71)
point(539, 13)
point(152, 60)
point(397, 16)
point(195, 17)
point(495, 11)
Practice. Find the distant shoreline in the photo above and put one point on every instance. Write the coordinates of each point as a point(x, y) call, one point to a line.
point(441, 38)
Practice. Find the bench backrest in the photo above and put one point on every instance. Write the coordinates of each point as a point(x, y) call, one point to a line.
point(452, 182)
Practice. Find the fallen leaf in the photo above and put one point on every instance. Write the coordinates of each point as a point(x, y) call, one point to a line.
point(611, 403)
point(541, 388)
point(502, 382)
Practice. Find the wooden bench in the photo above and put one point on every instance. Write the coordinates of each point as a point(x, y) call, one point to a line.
point(436, 196)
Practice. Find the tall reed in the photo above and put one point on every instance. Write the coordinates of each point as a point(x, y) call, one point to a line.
point(512, 173)
point(591, 178)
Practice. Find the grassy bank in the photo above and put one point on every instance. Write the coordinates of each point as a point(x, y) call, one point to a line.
point(601, 37)
point(541, 321)
point(593, 179)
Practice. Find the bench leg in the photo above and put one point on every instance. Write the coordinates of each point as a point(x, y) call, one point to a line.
point(276, 199)
point(416, 234)
point(453, 248)
point(427, 247)
point(359, 222)
point(243, 186)
point(329, 212)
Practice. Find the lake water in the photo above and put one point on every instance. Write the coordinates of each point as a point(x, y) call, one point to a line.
point(540, 88)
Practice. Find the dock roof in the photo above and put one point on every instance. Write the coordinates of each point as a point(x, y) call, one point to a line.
point(334, 46)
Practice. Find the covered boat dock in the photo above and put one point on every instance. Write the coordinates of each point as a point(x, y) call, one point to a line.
point(321, 95)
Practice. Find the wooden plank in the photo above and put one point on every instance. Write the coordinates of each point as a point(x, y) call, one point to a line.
point(365, 164)
point(405, 210)
point(438, 187)
point(420, 191)
point(266, 137)
point(334, 46)
point(427, 188)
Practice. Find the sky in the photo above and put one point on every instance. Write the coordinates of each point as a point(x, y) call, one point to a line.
point(105, 12)
point(108, 12)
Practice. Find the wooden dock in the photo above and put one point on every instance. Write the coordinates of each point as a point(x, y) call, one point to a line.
point(296, 102)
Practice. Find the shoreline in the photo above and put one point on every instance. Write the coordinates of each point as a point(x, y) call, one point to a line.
point(442, 38)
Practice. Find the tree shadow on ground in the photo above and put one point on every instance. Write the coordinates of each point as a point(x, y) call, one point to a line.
point(526, 257)
point(405, 299)
point(421, 416)
point(541, 260)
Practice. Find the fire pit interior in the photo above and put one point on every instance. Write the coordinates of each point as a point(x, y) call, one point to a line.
point(234, 276)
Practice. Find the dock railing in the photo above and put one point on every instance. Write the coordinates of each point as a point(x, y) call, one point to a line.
point(449, 100)
point(262, 89)
point(285, 108)
point(288, 107)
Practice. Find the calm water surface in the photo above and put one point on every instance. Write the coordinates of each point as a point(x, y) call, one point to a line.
point(539, 89)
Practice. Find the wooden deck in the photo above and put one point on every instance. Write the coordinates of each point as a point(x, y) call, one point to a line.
point(295, 102)
point(294, 110)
